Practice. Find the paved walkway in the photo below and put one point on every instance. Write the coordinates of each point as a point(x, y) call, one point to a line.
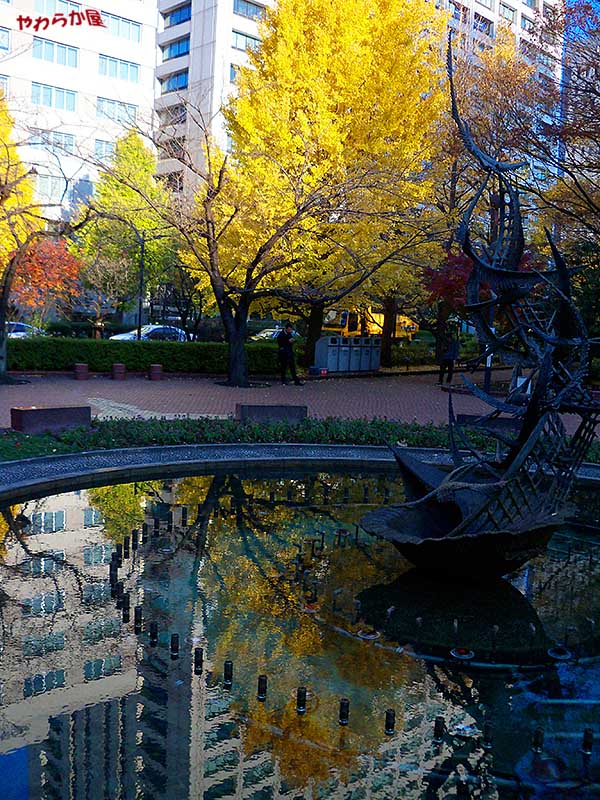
point(405, 398)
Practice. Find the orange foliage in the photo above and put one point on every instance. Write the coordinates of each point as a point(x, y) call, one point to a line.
point(47, 275)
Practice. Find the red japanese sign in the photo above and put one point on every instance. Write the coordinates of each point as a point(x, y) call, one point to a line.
point(90, 17)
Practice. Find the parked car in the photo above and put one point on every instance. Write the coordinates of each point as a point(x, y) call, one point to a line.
point(21, 330)
point(154, 333)
point(268, 333)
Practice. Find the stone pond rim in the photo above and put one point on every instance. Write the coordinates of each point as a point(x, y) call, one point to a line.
point(36, 477)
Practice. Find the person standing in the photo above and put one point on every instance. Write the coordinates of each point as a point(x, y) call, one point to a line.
point(447, 361)
point(286, 354)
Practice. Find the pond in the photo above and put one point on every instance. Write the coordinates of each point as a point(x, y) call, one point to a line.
point(256, 643)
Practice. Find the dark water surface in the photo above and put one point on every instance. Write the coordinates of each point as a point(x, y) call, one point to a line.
point(274, 575)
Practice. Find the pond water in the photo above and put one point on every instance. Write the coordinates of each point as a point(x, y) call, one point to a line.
point(149, 688)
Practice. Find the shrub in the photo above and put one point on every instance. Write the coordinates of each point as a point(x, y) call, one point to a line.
point(44, 353)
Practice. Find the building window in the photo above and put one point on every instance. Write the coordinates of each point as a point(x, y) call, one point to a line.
point(41, 645)
point(242, 41)
point(45, 565)
point(55, 52)
point(233, 71)
point(102, 150)
point(482, 24)
point(122, 27)
point(100, 629)
point(45, 603)
point(52, 189)
point(174, 181)
point(97, 554)
point(245, 8)
point(96, 594)
point(115, 110)
point(53, 97)
point(117, 68)
point(507, 12)
point(38, 684)
point(173, 115)
point(53, 141)
point(180, 14)
point(175, 82)
point(101, 667)
point(460, 13)
point(526, 23)
point(48, 521)
point(50, 7)
point(4, 85)
point(531, 4)
point(4, 40)
point(486, 3)
point(181, 47)
point(91, 516)
point(173, 148)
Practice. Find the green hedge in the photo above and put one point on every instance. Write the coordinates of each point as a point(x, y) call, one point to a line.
point(47, 354)
point(118, 433)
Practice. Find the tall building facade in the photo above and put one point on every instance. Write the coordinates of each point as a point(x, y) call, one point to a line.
point(75, 78)
point(202, 44)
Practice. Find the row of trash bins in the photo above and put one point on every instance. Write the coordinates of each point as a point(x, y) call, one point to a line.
point(348, 353)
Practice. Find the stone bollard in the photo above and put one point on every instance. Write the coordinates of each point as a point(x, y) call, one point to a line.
point(155, 372)
point(81, 372)
point(118, 372)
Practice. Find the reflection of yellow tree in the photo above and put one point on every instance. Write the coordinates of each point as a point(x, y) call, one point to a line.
point(262, 624)
point(121, 506)
point(5, 528)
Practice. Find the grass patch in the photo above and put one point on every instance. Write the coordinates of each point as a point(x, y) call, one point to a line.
point(120, 433)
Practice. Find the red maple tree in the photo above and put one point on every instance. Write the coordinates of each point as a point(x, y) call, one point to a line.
point(47, 278)
point(448, 282)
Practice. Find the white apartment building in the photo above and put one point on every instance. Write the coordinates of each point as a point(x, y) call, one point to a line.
point(201, 43)
point(74, 86)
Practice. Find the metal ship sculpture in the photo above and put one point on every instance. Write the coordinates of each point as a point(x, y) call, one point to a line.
point(491, 514)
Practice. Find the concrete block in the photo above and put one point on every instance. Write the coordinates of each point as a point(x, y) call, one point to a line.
point(275, 413)
point(50, 420)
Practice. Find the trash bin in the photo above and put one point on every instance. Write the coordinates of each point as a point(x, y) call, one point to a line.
point(375, 353)
point(326, 353)
point(355, 349)
point(365, 354)
point(344, 355)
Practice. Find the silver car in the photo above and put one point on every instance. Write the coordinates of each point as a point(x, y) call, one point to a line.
point(21, 330)
point(154, 333)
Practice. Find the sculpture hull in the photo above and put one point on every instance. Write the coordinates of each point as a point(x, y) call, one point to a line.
point(475, 555)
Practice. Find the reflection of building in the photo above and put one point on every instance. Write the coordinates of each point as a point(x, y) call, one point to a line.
point(62, 629)
point(154, 730)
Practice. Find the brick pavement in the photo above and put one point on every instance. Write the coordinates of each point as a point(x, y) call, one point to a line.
point(401, 397)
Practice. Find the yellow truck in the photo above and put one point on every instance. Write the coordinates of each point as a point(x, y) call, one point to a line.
point(361, 322)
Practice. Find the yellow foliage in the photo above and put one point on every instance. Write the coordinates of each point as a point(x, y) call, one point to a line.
point(18, 215)
point(330, 132)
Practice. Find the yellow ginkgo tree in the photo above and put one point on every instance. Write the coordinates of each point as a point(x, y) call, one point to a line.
point(328, 171)
point(20, 219)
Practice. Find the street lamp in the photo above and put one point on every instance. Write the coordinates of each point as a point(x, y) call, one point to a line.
point(142, 242)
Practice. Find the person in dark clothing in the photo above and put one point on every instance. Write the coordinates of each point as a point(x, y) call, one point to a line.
point(286, 354)
point(447, 361)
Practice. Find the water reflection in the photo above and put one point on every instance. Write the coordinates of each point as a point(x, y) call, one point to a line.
point(274, 575)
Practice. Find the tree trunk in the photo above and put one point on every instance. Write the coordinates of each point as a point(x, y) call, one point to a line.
point(236, 330)
point(3, 336)
point(313, 333)
point(237, 374)
point(388, 330)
